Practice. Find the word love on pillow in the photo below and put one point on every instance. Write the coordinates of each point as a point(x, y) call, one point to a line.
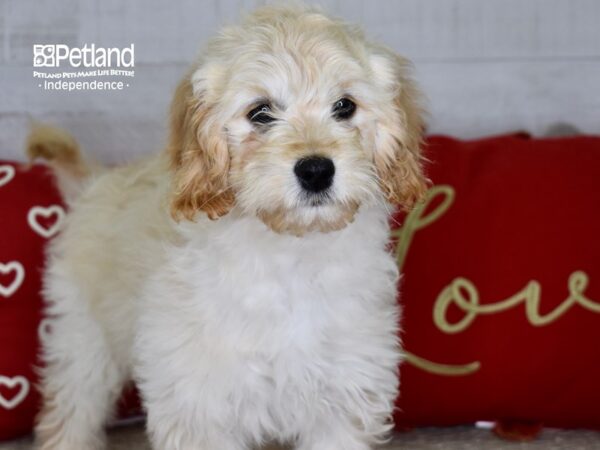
point(501, 285)
point(32, 212)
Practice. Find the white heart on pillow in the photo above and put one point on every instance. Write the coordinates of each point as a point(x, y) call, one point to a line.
point(36, 212)
point(12, 383)
point(12, 266)
point(7, 173)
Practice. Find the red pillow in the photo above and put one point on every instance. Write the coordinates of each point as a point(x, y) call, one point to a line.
point(31, 213)
point(501, 285)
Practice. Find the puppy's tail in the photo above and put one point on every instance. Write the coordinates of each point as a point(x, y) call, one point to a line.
point(62, 153)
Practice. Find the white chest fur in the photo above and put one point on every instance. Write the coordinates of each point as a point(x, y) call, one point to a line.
point(282, 327)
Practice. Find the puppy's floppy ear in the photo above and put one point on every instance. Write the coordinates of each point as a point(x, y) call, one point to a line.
point(400, 128)
point(199, 158)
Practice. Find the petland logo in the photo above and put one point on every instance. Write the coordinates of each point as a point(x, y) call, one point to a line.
point(58, 67)
point(53, 55)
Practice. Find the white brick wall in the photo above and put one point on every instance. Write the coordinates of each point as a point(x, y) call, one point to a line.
point(486, 66)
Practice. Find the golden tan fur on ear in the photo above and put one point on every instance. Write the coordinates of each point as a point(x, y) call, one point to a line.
point(398, 158)
point(199, 159)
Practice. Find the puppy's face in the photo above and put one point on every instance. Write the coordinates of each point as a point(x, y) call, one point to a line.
point(296, 119)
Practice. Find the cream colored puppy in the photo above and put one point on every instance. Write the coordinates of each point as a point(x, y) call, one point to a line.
point(242, 278)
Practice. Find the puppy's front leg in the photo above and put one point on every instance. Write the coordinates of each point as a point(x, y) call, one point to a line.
point(187, 391)
point(188, 427)
point(190, 414)
point(331, 434)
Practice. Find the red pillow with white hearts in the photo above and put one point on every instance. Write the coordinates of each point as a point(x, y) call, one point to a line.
point(32, 210)
point(501, 285)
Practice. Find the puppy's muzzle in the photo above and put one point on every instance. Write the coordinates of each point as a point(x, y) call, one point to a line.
point(315, 173)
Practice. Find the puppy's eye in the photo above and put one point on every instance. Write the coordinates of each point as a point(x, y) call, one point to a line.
point(343, 109)
point(261, 114)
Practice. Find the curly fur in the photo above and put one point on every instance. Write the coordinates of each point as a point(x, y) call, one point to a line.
point(242, 312)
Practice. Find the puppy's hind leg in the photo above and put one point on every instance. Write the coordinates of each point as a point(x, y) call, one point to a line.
point(80, 383)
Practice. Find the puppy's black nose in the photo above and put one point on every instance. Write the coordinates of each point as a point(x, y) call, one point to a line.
point(315, 173)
